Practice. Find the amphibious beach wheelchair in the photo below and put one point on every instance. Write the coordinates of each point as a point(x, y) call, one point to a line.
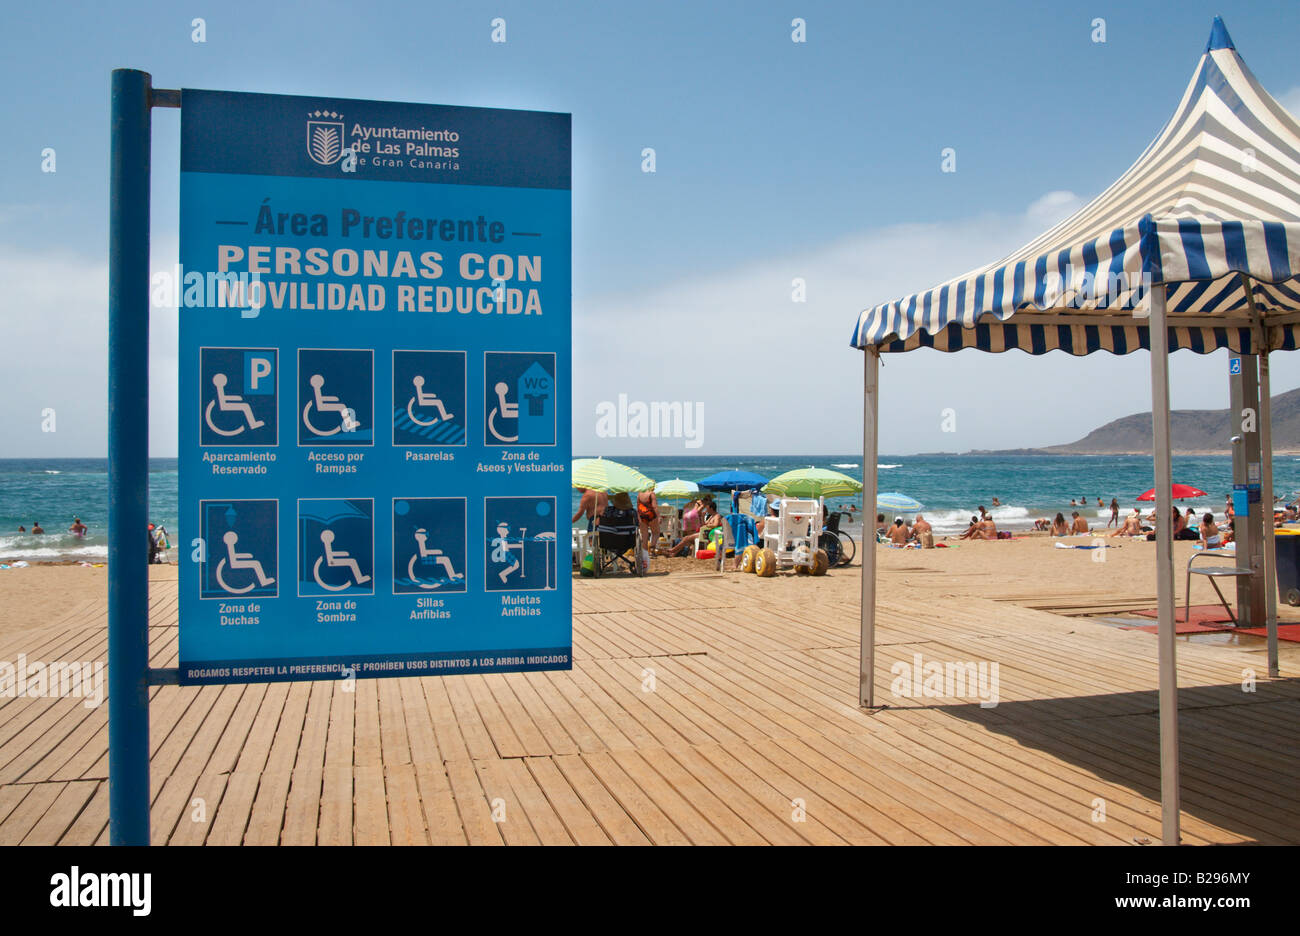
point(790, 538)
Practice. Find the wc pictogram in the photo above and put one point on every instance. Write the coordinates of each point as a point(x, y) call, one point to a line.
point(519, 398)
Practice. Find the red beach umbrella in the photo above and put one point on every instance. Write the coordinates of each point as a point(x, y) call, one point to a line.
point(1180, 492)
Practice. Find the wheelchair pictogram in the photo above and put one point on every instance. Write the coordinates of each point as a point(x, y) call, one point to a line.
point(505, 409)
point(335, 396)
point(428, 397)
point(230, 403)
point(425, 555)
point(238, 396)
point(236, 560)
point(335, 547)
point(520, 398)
point(426, 401)
point(240, 547)
point(428, 545)
point(324, 403)
point(337, 559)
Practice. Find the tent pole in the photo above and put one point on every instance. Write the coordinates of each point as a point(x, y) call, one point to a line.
point(1167, 639)
point(870, 441)
point(1266, 497)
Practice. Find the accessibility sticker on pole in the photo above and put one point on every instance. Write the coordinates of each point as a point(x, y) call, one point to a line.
point(375, 389)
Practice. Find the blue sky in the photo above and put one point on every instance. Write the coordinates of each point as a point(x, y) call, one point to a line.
point(775, 159)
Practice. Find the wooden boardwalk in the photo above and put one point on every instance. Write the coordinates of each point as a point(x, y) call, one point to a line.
point(700, 709)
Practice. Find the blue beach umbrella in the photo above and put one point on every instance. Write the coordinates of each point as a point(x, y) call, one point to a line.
point(897, 502)
point(733, 481)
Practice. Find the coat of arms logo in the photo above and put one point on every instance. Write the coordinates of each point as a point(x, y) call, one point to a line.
point(324, 137)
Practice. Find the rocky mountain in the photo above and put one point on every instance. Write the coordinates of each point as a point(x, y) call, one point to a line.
point(1193, 432)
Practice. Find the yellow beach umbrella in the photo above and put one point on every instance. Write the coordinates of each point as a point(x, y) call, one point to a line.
point(611, 477)
point(812, 482)
point(677, 489)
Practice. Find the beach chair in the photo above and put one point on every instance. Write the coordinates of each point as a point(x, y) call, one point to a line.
point(1212, 573)
point(617, 534)
point(790, 540)
point(670, 525)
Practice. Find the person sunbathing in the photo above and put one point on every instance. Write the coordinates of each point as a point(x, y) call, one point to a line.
point(972, 530)
point(710, 520)
point(899, 534)
point(1080, 525)
point(1211, 538)
point(922, 532)
point(1059, 526)
point(1132, 525)
point(988, 529)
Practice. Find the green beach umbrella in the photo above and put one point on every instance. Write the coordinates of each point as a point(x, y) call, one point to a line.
point(812, 482)
point(611, 477)
point(676, 489)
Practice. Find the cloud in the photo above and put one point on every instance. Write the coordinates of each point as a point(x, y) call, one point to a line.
point(774, 375)
point(55, 314)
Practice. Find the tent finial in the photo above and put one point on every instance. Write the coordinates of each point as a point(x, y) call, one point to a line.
point(1219, 38)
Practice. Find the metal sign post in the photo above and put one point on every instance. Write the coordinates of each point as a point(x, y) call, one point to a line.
point(128, 459)
point(373, 307)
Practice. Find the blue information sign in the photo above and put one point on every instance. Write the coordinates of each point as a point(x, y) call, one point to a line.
point(375, 389)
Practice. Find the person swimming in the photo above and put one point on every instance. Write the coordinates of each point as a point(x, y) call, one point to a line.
point(78, 529)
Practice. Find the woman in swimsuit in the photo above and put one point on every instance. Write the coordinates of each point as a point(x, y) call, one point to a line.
point(647, 511)
point(1210, 537)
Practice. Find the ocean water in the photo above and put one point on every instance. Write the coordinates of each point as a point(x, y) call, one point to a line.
point(54, 491)
point(951, 487)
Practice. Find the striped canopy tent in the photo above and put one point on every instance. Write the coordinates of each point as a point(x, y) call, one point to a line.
point(1211, 211)
point(1196, 246)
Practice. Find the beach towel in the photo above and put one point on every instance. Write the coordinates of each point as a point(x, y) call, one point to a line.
point(743, 530)
point(758, 506)
point(1096, 546)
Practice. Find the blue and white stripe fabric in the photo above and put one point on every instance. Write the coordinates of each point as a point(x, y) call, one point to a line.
point(1211, 209)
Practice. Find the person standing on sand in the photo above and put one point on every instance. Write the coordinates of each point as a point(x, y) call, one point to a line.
point(593, 504)
point(1114, 512)
point(647, 512)
point(1080, 525)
